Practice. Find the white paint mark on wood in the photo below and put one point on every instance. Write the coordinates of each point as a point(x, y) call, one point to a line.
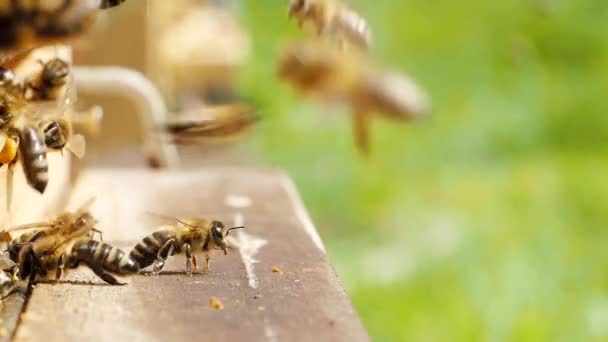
point(269, 332)
point(248, 245)
point(237, 201)
point(301, 213)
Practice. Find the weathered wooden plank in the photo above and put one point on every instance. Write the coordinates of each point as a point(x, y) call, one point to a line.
point(304, 303)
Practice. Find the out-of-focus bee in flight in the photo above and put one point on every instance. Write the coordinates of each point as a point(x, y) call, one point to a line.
point(334, 19)
point(218, 123)
point(186, 236)
point(322, 71)
point(65, 242)
point(26, 24)
point(29, 126)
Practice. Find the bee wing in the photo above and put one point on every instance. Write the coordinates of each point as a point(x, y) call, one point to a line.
point(161, 217)
point(29, 226)
point(86, 205)
point(77, 145)
point(168, 218)
point(219, 122)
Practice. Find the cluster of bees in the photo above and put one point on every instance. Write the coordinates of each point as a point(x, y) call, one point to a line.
point(47, 250)
point(333, 67)
point(337, 68)
point(35, 119)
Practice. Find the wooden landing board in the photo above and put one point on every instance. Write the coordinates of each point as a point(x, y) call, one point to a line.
point(305, 303)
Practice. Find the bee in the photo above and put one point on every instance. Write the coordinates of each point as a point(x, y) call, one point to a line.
point(187, 236)
point(65, 242)
point(216, 123)
point(25, 24)
point(51, 80)
point(334, 19)
point(319, 70)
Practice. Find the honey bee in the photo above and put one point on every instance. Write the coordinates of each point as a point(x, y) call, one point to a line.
point(65, 242)
point(187, 236)
point(322, 71)
point(51, 80)
point(25, 24)
point(334, 19)
point(216, 123)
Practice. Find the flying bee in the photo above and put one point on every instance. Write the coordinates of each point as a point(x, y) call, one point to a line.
point(216, 123)
point(334, 19)
point(188, 237)
point(25, 24)
point(324, 72)
point(65, 242)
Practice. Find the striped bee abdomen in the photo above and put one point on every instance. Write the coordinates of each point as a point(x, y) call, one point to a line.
point(99, 255)
point(33, 158)
point(146, 251)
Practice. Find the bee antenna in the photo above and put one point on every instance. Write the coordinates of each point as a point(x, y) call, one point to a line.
point(233, 228)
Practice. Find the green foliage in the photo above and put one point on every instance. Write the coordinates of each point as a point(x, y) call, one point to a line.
point(487, 221)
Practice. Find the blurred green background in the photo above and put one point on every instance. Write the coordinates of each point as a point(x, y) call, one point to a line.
point(487, 221)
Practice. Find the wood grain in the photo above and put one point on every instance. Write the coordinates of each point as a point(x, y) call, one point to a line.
point(305, 303)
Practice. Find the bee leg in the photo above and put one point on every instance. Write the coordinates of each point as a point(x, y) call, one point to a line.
point(194, 262)
point(188, 259)
point(27, 262)
point(165, 251)
point(108, 278)
point(9, 186)
point(360, 125)
point(60, 268)
point(207, 266)
point(99, 232)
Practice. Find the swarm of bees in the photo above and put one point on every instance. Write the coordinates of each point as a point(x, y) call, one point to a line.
point(47, 250)
point(326, 71)
point(35, 117)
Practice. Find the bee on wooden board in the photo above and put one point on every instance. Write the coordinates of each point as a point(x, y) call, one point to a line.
point(29, 126)
point(187, 236)
point(332, 18)
point(319, 70)
point(211, 124)
point(65, 242)
point(26, 24)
